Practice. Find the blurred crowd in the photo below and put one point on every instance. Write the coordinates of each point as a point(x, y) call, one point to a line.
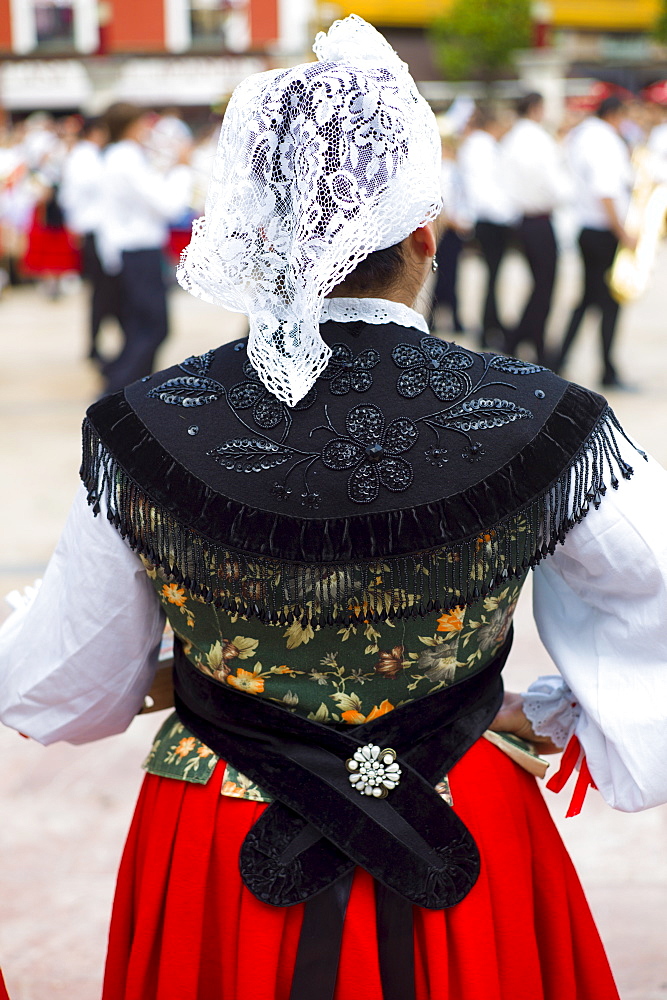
point(113, 198)
point(509, 181)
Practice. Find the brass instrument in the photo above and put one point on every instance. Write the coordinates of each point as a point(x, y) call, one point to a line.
point(631, 271)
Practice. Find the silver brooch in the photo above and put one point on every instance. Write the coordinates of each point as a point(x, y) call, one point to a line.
point(373, 771)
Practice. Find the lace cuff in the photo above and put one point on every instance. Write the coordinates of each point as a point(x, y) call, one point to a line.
point(551, 709)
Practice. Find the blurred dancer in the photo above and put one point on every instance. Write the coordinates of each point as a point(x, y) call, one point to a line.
point(489, 206)
point(600, 163)
point(138, 203)
point(168, 135)
point(201, 163)
point(457, 227)
point(17, 202)
point(657, 145)
point(80, 198)
point(51, 251)
point(12, 174)
point(536, 183)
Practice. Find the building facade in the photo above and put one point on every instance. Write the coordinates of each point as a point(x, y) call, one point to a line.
point(87, 27)
point(82, 54)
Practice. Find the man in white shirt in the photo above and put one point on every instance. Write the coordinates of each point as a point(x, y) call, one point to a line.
point(80, 198)
point(536, 184)
point(457, 227)
point(489, 207)
point(600, 163)
point(138, 204)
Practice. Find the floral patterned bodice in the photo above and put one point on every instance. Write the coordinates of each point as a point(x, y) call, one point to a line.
point(349, 674)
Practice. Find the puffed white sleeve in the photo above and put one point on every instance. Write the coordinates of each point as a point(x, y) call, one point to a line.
point(600, 604)
point(77, 661)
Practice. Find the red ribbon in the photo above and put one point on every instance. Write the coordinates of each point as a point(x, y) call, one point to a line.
point(572, 756)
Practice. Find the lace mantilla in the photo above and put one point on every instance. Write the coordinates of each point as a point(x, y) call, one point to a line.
point(317, 167)
point(373, 311)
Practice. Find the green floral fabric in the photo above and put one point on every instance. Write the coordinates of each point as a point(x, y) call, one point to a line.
point(350, 674)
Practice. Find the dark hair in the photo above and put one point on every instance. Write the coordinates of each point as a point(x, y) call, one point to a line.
point(483, 116)
point(119, 117)
point(379, 272)
point(610, 106)
point(90, 125)
point(527, 102)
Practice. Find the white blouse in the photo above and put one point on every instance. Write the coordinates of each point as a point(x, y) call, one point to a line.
point(76, 663)
point(77, 660)
point(600, 604)
point(137, 203)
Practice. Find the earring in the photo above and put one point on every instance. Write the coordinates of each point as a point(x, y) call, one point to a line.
point(434, 265)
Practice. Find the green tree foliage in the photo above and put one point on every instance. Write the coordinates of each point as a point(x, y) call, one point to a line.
point(660, 25)
point(476, 38)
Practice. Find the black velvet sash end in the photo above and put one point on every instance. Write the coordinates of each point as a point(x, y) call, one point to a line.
point(320, 826)
point(318, 955)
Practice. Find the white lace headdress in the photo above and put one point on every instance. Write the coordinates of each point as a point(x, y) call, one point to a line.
point(317, 167)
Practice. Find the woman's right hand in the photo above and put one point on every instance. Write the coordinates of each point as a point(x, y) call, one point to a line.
point(512, 719)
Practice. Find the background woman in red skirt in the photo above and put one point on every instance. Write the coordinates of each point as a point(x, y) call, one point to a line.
point(52, 251)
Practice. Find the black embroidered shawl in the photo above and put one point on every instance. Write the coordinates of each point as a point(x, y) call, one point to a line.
point(407, 453)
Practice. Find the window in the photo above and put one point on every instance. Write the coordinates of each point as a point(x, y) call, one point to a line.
point(214, 24)
point(54, 25)
point(207, 23)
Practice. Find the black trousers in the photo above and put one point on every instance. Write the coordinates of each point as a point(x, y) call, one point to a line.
point(104, 290)
point(445, 293)
point(539, 246)
point(493, 240)
point(143, 313)
point(598, 248)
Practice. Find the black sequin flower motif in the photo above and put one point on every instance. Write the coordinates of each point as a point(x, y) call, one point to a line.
point(280, 491)
point(199, 364)
point(267, 411)
point(436, 457)
point(345, 371)
point(372, 450)
point(433, 364)
point(188, 390)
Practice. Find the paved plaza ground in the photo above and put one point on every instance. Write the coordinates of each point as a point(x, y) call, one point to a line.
point(64, 810)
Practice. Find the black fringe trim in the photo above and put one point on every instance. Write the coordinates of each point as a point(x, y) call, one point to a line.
point(162, 517)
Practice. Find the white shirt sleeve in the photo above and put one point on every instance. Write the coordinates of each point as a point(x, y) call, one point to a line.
point(76, 664)
point(609, 168)
point(80, 193)
point(168, 195)
point(479, 165)
point(137, 203)
point(600, 604)
point(533, 169)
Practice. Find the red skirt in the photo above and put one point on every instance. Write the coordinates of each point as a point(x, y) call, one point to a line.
point(184, 927)
point(177, 242)
point(51, 250)
point(4, 995)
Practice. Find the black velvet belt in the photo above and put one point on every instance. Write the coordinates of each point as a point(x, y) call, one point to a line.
point(307, 842)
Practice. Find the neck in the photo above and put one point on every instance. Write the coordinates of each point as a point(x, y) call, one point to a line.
point(404, 297)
